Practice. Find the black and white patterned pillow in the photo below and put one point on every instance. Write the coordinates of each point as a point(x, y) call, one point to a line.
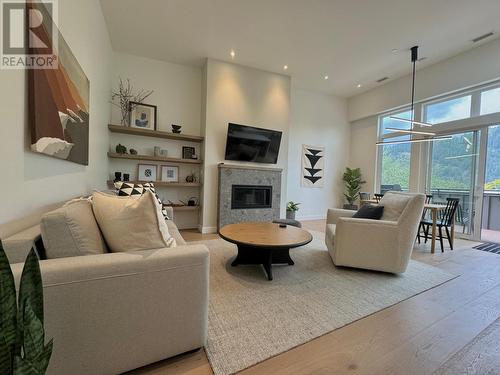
point(127, 189)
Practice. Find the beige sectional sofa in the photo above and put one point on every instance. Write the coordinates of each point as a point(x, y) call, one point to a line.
point(113, 312)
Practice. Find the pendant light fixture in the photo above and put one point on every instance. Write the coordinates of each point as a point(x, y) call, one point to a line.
point(412, 121)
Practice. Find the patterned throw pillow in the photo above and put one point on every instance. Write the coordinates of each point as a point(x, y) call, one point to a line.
point(127, 189)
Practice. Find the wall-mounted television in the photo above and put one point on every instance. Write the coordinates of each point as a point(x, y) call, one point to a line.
point(246, 143)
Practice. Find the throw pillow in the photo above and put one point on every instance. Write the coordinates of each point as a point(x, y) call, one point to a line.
point(127, 189)
point(71, 230)
point(131, 224)
point(368, 211)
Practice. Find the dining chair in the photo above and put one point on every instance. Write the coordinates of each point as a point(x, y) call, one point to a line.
point(428, 200)
point(364, 196)
point(378, 197)
point(445, 221)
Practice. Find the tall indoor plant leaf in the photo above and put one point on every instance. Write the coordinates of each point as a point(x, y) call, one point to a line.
point(8, 314)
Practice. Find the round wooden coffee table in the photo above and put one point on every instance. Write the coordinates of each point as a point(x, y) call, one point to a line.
point(264, 243)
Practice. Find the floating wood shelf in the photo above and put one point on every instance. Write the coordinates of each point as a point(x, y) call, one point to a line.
point(153, 158)
point(166, 184)
point(185, 208)
point(154, 133)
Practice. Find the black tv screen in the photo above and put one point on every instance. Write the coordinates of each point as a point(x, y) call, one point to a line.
point(246, 143)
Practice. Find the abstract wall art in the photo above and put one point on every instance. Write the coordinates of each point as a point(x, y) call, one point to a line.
point(58, 99)
point(313, 166)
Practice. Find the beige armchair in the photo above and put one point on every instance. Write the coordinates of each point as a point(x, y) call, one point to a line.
point(382, 245)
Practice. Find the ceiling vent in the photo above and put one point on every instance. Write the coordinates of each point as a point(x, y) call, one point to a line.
point(481, 37)
point(382, 79)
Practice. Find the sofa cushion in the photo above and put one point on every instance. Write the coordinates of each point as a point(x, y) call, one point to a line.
point(130, 189)
point(368, 211)
point(71, 230)
point(394, 204)
point(174, 232)
point(130, 224)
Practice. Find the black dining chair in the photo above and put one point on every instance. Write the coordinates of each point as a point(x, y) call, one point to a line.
point(445, 221)
point(364, 196)
point(428, 199)
point(378, 197)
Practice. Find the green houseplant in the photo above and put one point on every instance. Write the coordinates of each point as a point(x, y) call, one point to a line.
point(22, 336)
point(353, 181)
point(291, 209)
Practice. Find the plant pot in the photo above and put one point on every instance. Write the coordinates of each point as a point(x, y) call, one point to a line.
point(290, 215)
point(350, 207)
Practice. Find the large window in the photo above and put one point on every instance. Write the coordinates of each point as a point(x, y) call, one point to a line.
point(395, 158)
point(449, 110)
point(490, 101)
point(492, 180)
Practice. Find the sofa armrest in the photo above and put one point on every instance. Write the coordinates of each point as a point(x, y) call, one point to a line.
point(333, 214)
point(100, 309)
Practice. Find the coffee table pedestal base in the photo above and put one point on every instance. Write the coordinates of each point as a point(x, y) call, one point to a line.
point(266, 256)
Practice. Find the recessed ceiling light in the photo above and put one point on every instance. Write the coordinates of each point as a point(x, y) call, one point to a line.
point(394, 50)
point(285, 67)
point(326, 77)
point(359, 85)
point(232, 53)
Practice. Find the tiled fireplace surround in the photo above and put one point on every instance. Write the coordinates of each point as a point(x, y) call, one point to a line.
point(229, 175)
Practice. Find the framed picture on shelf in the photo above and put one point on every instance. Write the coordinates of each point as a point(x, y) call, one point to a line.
point(169, 173)
point(188, 152)
point(142, 116)
point(146, 172)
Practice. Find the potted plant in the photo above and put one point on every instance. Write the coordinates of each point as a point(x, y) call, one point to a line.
point(291, 209)
point(353, 181)
point(22, 337)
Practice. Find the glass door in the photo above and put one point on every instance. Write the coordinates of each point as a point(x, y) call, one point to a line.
point(452, 173)
point(490, 220)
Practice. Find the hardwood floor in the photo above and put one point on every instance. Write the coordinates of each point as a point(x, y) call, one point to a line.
point(451, 329)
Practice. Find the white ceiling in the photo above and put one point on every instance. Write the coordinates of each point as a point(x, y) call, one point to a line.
point(351, 41)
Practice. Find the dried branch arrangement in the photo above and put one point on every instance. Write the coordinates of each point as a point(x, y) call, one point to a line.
point(124, 95)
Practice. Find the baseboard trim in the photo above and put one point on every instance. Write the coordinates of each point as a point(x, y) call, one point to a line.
point(207, 230)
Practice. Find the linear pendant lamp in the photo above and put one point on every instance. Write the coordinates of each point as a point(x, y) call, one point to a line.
point(414, 58)
point(415, 140)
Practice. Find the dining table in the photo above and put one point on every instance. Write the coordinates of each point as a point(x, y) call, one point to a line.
point(434, 208)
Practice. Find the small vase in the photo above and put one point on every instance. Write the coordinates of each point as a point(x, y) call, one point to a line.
point(290, 215)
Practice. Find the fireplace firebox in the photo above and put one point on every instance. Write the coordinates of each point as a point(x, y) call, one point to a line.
point(251, 196)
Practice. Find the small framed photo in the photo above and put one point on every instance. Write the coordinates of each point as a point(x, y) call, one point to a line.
point(142, 116)
point(188, 152)
point(169, 173)
point(146, 172)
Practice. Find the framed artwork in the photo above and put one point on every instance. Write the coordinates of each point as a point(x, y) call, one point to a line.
point(142, 116)
point(169, 173)
point(188, 152)
point(146, 172)
point(313, 166)
point(58, 97)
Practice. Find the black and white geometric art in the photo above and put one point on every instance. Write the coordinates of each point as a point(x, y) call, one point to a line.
point(313, 166)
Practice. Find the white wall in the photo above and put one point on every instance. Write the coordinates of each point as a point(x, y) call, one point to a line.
point(319, 120)
point(363, 150)
point(476, 66)
point(31, 181)
point(177, 95)
point(244, 96)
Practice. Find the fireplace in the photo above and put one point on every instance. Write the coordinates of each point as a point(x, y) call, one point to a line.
point(251, 196)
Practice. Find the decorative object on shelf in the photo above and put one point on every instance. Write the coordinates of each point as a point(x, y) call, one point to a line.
point(169, 173)
point(191, 178)
point(120, 149)
point(188, 152)
point(125, 95)
point(118, 176)
point(353, 181)
point(193, 201)
point(23, 334)
point(133, 151)
point(126, 177)
point(172, 204)
point(176, 129)
point(142, 116)
point(291, 209)
point(58, 97)
point(146, 172)
point(313, 166)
